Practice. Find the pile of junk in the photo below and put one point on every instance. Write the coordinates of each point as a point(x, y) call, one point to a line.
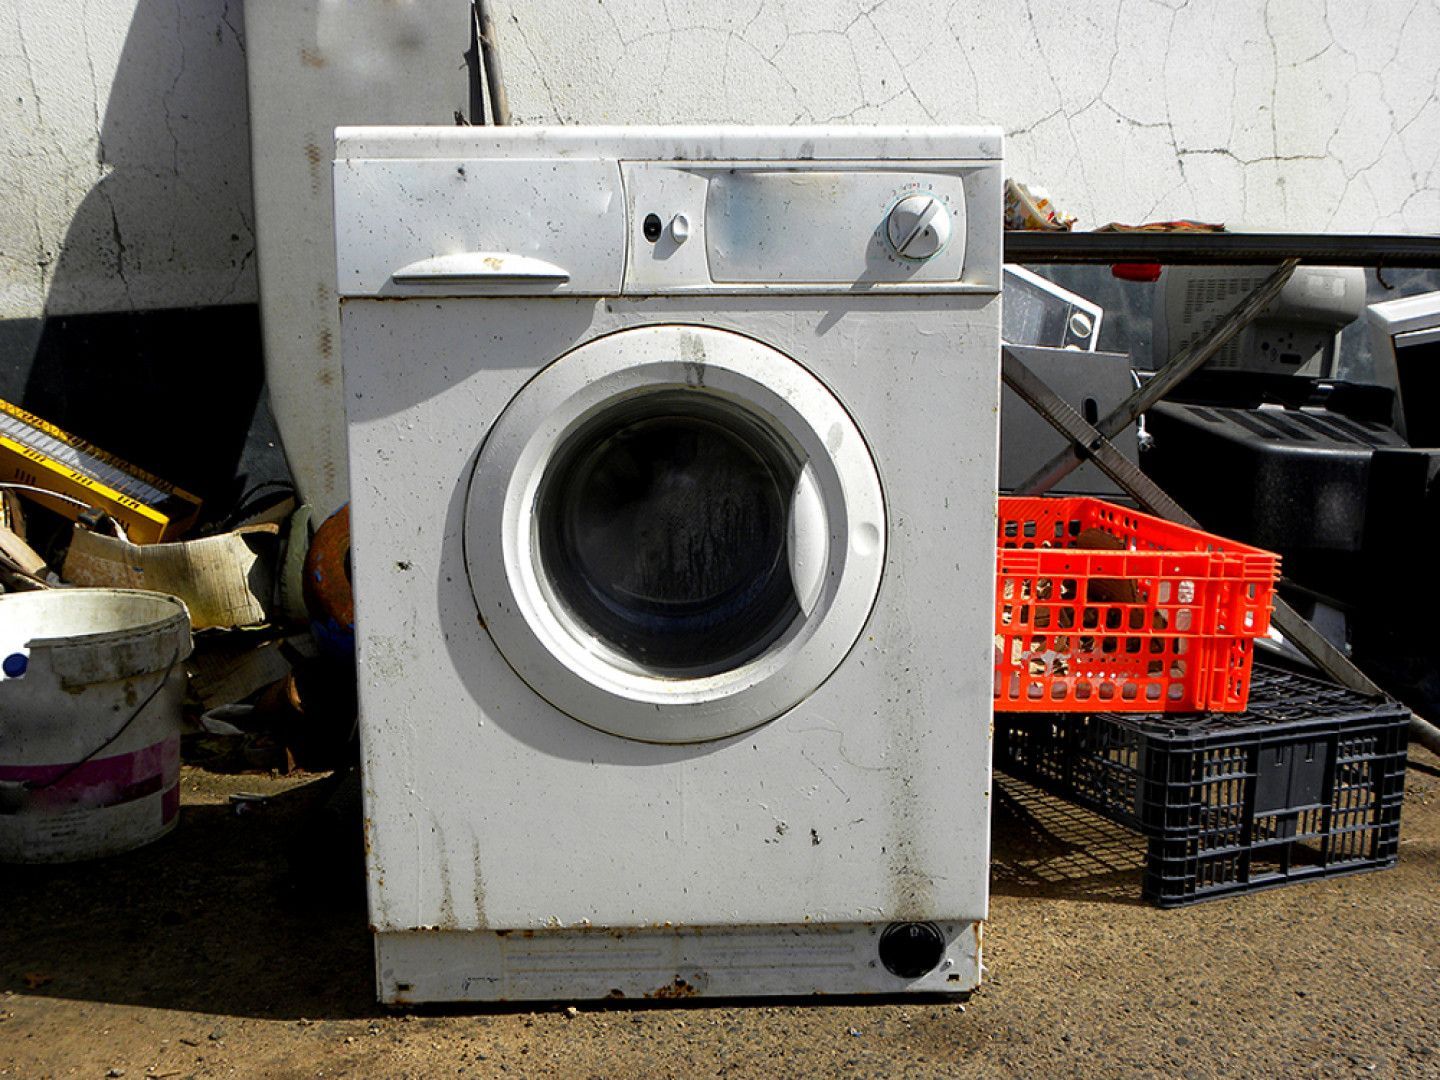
point(161, 634)
point(1307, 435)
point(1310, 434)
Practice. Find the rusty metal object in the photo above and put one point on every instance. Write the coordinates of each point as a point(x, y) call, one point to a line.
point(328, 595)
point(312, 711)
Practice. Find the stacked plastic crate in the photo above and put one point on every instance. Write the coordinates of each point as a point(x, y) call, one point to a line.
point(1123, 682)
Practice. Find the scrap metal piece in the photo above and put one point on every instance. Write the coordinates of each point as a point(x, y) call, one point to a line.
point(1058, 412)
point(1227, 249)
point(1179, 367)
point(1154, 499)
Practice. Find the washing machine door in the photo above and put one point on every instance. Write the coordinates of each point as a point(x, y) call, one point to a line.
point(674, 533)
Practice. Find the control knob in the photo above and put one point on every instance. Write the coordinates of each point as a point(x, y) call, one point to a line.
point(918, 226)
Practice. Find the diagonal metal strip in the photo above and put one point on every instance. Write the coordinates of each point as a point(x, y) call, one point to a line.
point(1152, 497)
point(1181, 366)
point(1036, 393)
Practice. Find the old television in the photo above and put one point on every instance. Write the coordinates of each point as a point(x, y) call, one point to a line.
point(1405, 345)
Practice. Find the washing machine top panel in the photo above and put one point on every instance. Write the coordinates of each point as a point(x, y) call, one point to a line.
point(616, 211)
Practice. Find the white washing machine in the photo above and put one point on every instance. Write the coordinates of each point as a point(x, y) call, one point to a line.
point(673, 460)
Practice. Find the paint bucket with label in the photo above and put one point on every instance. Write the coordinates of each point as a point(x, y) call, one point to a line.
point(89, 721)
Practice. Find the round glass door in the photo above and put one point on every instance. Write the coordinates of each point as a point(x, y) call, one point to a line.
point(674, 533)
point(663, 527)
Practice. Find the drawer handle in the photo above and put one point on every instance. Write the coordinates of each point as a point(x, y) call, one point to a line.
point(498, 267)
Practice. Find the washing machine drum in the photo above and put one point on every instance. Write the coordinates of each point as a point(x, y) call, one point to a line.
point(674, 533)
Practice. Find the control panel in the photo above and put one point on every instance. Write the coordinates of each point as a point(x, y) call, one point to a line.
point(787, 225)
point(438, 226)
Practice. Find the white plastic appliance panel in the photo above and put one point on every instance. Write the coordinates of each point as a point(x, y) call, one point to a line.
point(314, 64)
point(711, 962)
point(489, 809)
point(395, 215)
point(807, 209)
point(923, 142)
point(735, 227)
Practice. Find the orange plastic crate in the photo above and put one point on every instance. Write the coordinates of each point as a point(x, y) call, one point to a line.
point(1165, 624)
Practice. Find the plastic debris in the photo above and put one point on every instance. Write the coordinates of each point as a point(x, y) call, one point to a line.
point(1029, 207)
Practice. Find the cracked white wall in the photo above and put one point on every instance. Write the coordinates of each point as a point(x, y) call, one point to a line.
point(125, 157)
point(1289, 114)
point(124, 150)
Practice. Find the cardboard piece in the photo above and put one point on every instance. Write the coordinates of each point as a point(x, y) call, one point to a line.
point(227, 668)
point(15, 552)
point(225, 580)
point(11, 514)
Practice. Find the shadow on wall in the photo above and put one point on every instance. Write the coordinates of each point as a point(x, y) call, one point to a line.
point(150, 342)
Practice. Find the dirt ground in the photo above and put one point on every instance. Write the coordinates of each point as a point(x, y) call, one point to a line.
point(231, 949)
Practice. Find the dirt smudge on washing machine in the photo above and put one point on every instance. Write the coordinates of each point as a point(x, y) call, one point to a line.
point(386, 657)
point(692, 355)
point(446, 906)
point(910, 889)
point(477, 887)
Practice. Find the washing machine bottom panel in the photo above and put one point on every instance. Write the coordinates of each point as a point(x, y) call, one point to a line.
point(710, 962)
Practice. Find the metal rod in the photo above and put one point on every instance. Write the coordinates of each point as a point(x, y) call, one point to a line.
point(1175, 371)
point(474, 66)
point(490, 50)
point(1152, 497)
point(1173, 248)
point(1036, 393)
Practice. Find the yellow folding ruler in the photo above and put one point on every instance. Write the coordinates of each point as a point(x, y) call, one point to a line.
point(40, 455)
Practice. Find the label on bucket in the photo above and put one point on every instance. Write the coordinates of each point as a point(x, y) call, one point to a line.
point(107, 805)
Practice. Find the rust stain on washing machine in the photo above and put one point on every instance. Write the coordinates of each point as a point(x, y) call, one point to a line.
point(314, 157)
point(677, 989)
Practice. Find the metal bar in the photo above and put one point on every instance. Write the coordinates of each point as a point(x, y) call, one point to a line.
point(1036, 393)
point(1152, 497)
point(1320, 650)
point(490, 50)
point(474, 67)
point(1174, 248)
point(1163, 381)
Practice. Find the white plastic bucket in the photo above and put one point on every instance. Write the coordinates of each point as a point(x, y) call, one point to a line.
point(89, 721)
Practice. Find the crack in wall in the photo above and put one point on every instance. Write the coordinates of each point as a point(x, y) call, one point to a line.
point(539, 68)
point(29, 67)
point(119, 241)
point(94, 89)
point(44, 257)
point(899, 65)
point(166, 101)
point(868, 60)
point(235, 31)
point(1267, 111)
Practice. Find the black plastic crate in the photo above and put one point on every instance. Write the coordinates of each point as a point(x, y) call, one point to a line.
point(1306, 783)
